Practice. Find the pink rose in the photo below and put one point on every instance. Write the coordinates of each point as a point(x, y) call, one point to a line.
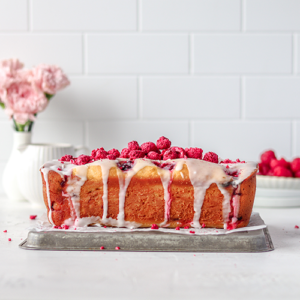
point(49, 79)
point(23, 101)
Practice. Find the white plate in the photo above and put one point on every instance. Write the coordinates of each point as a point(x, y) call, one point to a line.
point(275, 191)
point(278, 182)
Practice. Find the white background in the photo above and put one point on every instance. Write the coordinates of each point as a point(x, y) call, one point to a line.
point(220, 75)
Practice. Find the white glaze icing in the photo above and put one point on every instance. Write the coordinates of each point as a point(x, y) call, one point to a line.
point(202, 175)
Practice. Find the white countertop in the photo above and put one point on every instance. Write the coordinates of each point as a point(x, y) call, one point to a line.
point(29, 274)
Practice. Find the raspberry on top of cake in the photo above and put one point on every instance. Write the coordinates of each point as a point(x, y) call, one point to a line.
point(151, 183)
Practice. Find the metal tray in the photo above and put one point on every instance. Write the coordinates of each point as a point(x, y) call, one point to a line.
point(248, 241)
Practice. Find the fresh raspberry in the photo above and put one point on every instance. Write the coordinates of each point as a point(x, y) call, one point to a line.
point(66, 158)
point(154, 155)
point(114, 152)
point(117, 248)
point(227, 161)
point(125, 153)
point(154, 226)
point(296, 227)
point(267, 156)
point(99, 154)
point(297, 174)
point(102, 248)
point(295, 165)
point(170, 154)
point(111, 157)
point(148, 147)
point(32, 217)
point(177, 228)
point(163, 143)
point(270, 173)
point(191, 231)
point(82, 160)
point(279, 163)
point(134, 154)
point(180, 152)
point(212, 157)
point(133, 146)
point(263, 169)
point(282, 172)
point(194, 153)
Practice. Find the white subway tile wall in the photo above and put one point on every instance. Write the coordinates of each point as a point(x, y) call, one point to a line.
point(221, 75)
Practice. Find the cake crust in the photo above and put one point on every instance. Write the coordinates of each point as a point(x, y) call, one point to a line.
point(145, 201)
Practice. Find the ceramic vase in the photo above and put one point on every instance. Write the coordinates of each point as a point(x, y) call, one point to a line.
point(10, 182)
point(33, 157)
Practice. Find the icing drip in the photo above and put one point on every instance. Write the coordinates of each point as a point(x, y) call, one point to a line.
point(202, 175)
point(74, 187)
point(165, 176)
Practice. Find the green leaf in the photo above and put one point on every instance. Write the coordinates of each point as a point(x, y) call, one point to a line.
point(2, 105)
point(48, 96)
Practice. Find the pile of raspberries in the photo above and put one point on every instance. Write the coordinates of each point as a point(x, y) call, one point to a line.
point(162, 150)
point(271, 166)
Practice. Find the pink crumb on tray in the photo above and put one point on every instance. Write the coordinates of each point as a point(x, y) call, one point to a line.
point(32, 217)
point(296, 226)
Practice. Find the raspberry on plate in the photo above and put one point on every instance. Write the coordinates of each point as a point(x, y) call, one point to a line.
point(295, 165)
point(267, 156)
point(279, 162)
point(282, 172)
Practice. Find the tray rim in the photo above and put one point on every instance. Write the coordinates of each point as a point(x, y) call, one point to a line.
point(267, 237)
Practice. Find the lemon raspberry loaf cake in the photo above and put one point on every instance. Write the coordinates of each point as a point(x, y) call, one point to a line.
point(152, 185)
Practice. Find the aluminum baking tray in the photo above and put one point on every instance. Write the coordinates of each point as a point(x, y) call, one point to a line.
point(248, 241)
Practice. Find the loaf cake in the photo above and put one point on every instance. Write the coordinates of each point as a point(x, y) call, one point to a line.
point(149, 186)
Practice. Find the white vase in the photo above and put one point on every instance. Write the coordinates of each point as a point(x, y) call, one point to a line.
point(33, 157)
point(10, 183)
